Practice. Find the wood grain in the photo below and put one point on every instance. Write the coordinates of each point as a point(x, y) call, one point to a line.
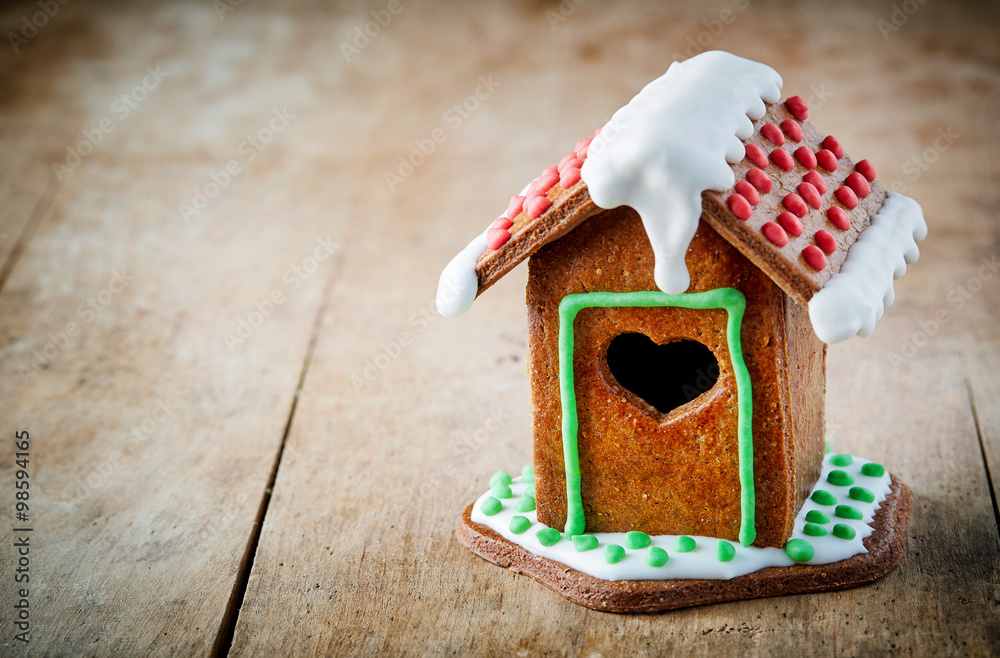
point(402, 415)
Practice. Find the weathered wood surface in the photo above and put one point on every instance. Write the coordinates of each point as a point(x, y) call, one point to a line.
point(403, 415)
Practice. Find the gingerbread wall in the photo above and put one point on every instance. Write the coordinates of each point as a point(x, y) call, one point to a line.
point(674, 473)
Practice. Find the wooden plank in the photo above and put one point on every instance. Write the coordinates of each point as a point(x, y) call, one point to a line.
point(405, 415)
point(153, 438)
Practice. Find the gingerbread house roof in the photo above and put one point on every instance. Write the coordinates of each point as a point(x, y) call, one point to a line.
point(712, 140)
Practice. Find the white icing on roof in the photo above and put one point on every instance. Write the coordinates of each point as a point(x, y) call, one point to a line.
point(459, 284)
point(853, 300)
point(672, 142)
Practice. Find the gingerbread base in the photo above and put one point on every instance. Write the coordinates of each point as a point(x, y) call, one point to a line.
point(885, 550)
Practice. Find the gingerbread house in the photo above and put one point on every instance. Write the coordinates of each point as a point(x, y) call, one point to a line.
point(687, 266)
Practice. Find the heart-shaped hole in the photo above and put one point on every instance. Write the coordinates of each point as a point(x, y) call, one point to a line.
point(666, 376)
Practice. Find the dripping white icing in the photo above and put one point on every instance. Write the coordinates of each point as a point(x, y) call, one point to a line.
point(702, 562)
point(672, 142)
point(853, 300)
point(459, 284)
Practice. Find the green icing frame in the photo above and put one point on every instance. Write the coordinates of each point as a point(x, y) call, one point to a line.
point(729, 299)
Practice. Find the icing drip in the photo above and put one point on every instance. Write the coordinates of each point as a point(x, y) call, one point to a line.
point(853, 300)
point(825, 532)
point(672, 142)
point(459, 283)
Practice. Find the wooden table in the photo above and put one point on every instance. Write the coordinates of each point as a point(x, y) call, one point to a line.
point(250, 432)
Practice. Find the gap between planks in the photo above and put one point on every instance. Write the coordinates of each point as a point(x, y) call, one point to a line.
point(982, 451)
point(227, 629)
point(41, 210)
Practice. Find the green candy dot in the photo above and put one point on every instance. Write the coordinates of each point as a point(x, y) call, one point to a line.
point(848, 512)
point(585, 543)
point(873, 470)
point(502, 491)
point(548, 536)
point(824, 497)
point(816, 516)
point(814, 530)
point(636, 540)
point(684, 544)
point(861, 494)
point(519, 524)
point(530, 490)
point(491, 506)
point(613, 553)
point(500, 477)
point(842, 459)
point(724, 551)
point(657, 557)
point(840, 478)
point(527, 474)
point(827, 447)
point(799, 550)
point(526, 504)
point(844, 531)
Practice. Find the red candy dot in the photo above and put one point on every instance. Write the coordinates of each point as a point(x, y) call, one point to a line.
point(810, 194)
point(839, 218)
point(814, 179)
point(847, 197)
point(781, 158)
point(583, 145)
point(739, 206)
point(755, 154)
point(536, 205)
point(570, 177)
point(775, 234)
point(790, 223)
point(805, 156)
point(815, 257)
point(566, 158)
point(747, 191)
point(832, 143)
point(773, 133)
point(866, 169)
point(795, 203)
point(545, 182)
point(571, 164)
point(516, 203)
point(760, 180)
point(826, 241)
point(497, 237)
point(857, 182)
point(826, 159)
point(797, 107)
point(792, 129)
point(502, 222)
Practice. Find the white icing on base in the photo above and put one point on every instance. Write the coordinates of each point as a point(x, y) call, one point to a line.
point(672, 142)
point(459, 284)
point(853, 300)
point(701, 563)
